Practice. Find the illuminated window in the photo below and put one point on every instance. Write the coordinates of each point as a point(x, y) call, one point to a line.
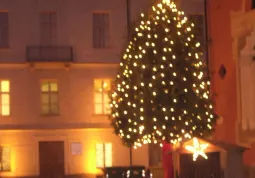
point(5, 159)
point(49, 98)
point(103, 155)
point(5, 97)
point(101, 96)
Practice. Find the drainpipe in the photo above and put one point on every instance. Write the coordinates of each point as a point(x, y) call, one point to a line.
point(128, 38)
point(206, 38)
point(128, 19)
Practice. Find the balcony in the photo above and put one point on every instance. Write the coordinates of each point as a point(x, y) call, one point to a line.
point(49, 54)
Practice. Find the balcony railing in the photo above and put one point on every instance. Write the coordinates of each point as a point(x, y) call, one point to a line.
point(49, 53)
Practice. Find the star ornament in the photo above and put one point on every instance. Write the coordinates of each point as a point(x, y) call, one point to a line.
point(166, 1)
point(197, 149)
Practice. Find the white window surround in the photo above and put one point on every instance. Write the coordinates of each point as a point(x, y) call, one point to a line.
point(247, 83)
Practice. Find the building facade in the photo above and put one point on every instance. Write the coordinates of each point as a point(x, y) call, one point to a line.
point(57, 61)
point(231, 36)
point(58, 58)
point(243, 35)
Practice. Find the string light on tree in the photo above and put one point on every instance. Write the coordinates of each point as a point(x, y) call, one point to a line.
point(162, 90)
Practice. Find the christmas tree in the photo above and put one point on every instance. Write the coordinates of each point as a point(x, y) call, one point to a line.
point(161, 91)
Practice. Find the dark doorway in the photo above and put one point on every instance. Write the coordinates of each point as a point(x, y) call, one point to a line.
point(51, 159)
point(201, 168)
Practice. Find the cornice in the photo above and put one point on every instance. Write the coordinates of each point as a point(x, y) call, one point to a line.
point(56, 65)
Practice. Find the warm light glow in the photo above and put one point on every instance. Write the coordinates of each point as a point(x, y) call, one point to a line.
point(5, 161)
point(103, 155)
point(101, 98)
point(90, 159)
point(197, 149)
point(5, 97)
point(49, 98)
point(108, 154)
point(99, 155)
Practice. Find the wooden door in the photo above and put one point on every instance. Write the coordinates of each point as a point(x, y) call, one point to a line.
point(51, 159)
point(201, 168)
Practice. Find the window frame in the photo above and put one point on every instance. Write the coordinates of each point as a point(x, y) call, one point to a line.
point(201, 26)
point(103, 104)
point(49, 95)
point(4, 93)
point(97, 41)
point(48, 37)
point(7, 31)
point(104, 155)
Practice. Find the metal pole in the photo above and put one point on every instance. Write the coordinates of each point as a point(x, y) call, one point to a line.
point(128, 38)
point(206, 38)
point(128, 19)
point(130, 156)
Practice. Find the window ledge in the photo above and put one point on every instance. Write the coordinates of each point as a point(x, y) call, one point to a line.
point(5, 47)
point(108, 47)
point(96, 118)
point(2, 116)
point(50, 115)
point(100, 115)
point(5, 171)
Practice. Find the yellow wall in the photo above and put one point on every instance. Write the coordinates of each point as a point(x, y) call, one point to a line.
point(25, 155)
point(76, 94)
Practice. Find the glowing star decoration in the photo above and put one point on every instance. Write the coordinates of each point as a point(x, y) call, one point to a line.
point(197, 149)
point(166, 1)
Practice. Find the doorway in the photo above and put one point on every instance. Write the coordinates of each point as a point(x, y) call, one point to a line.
point(51, 159)
point(201, 168)
point(155, 155)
